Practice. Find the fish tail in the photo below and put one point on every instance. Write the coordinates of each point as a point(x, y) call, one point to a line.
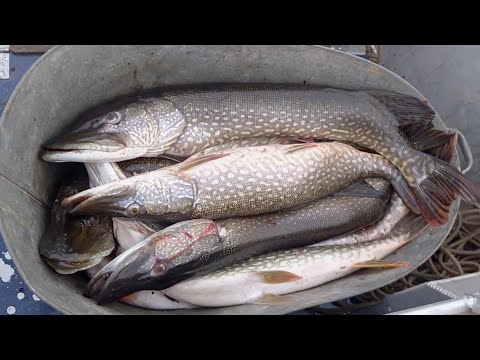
point(405, 108)
point(443, 185)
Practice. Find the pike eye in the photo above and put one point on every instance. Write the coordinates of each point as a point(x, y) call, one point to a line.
point(113, 118)
point(133, 210)
point(159, 268)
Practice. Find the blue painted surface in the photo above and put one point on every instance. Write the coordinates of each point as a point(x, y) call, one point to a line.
point(15, 297)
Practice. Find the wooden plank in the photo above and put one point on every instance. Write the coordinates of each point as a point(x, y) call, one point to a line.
point(29, 49)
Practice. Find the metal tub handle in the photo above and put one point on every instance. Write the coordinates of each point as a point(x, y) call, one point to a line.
point(467, 152)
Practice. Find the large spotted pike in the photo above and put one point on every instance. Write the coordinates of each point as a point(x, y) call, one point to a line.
point(239, 182)
point(181, 122)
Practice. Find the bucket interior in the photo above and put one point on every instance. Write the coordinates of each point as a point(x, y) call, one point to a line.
point(70, 80)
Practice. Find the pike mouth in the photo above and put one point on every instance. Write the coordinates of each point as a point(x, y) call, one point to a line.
point(58, 150)
point(91, 155)
point(101, 200)
point(100, 283)
point(96, 285)
point(71, 267)
point(88, 146)
point(84, 147)
point(87, 140)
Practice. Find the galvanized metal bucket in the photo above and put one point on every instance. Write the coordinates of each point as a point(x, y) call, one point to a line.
point(68, 80)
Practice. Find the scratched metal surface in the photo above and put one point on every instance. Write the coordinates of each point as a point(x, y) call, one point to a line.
point(15, 297)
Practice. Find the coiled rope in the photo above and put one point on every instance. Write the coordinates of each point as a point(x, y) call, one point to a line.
point(459, 254)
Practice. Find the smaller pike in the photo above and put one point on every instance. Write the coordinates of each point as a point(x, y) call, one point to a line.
point(72, 244)
point(263, 279)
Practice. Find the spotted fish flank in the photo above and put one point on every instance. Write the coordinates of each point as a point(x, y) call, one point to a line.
point(242, 182)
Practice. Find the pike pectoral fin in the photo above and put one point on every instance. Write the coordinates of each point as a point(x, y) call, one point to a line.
point(381, 264)
point(188, 164)
point(278, 277)
point(296, 147)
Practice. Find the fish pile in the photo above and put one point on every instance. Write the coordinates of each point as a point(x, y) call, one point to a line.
point(221, 195)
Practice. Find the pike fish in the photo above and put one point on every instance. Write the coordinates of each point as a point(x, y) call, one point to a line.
point(72, 244)
point(265, 278)
point(240, 182)
point(199, 246)
point(181, 122)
